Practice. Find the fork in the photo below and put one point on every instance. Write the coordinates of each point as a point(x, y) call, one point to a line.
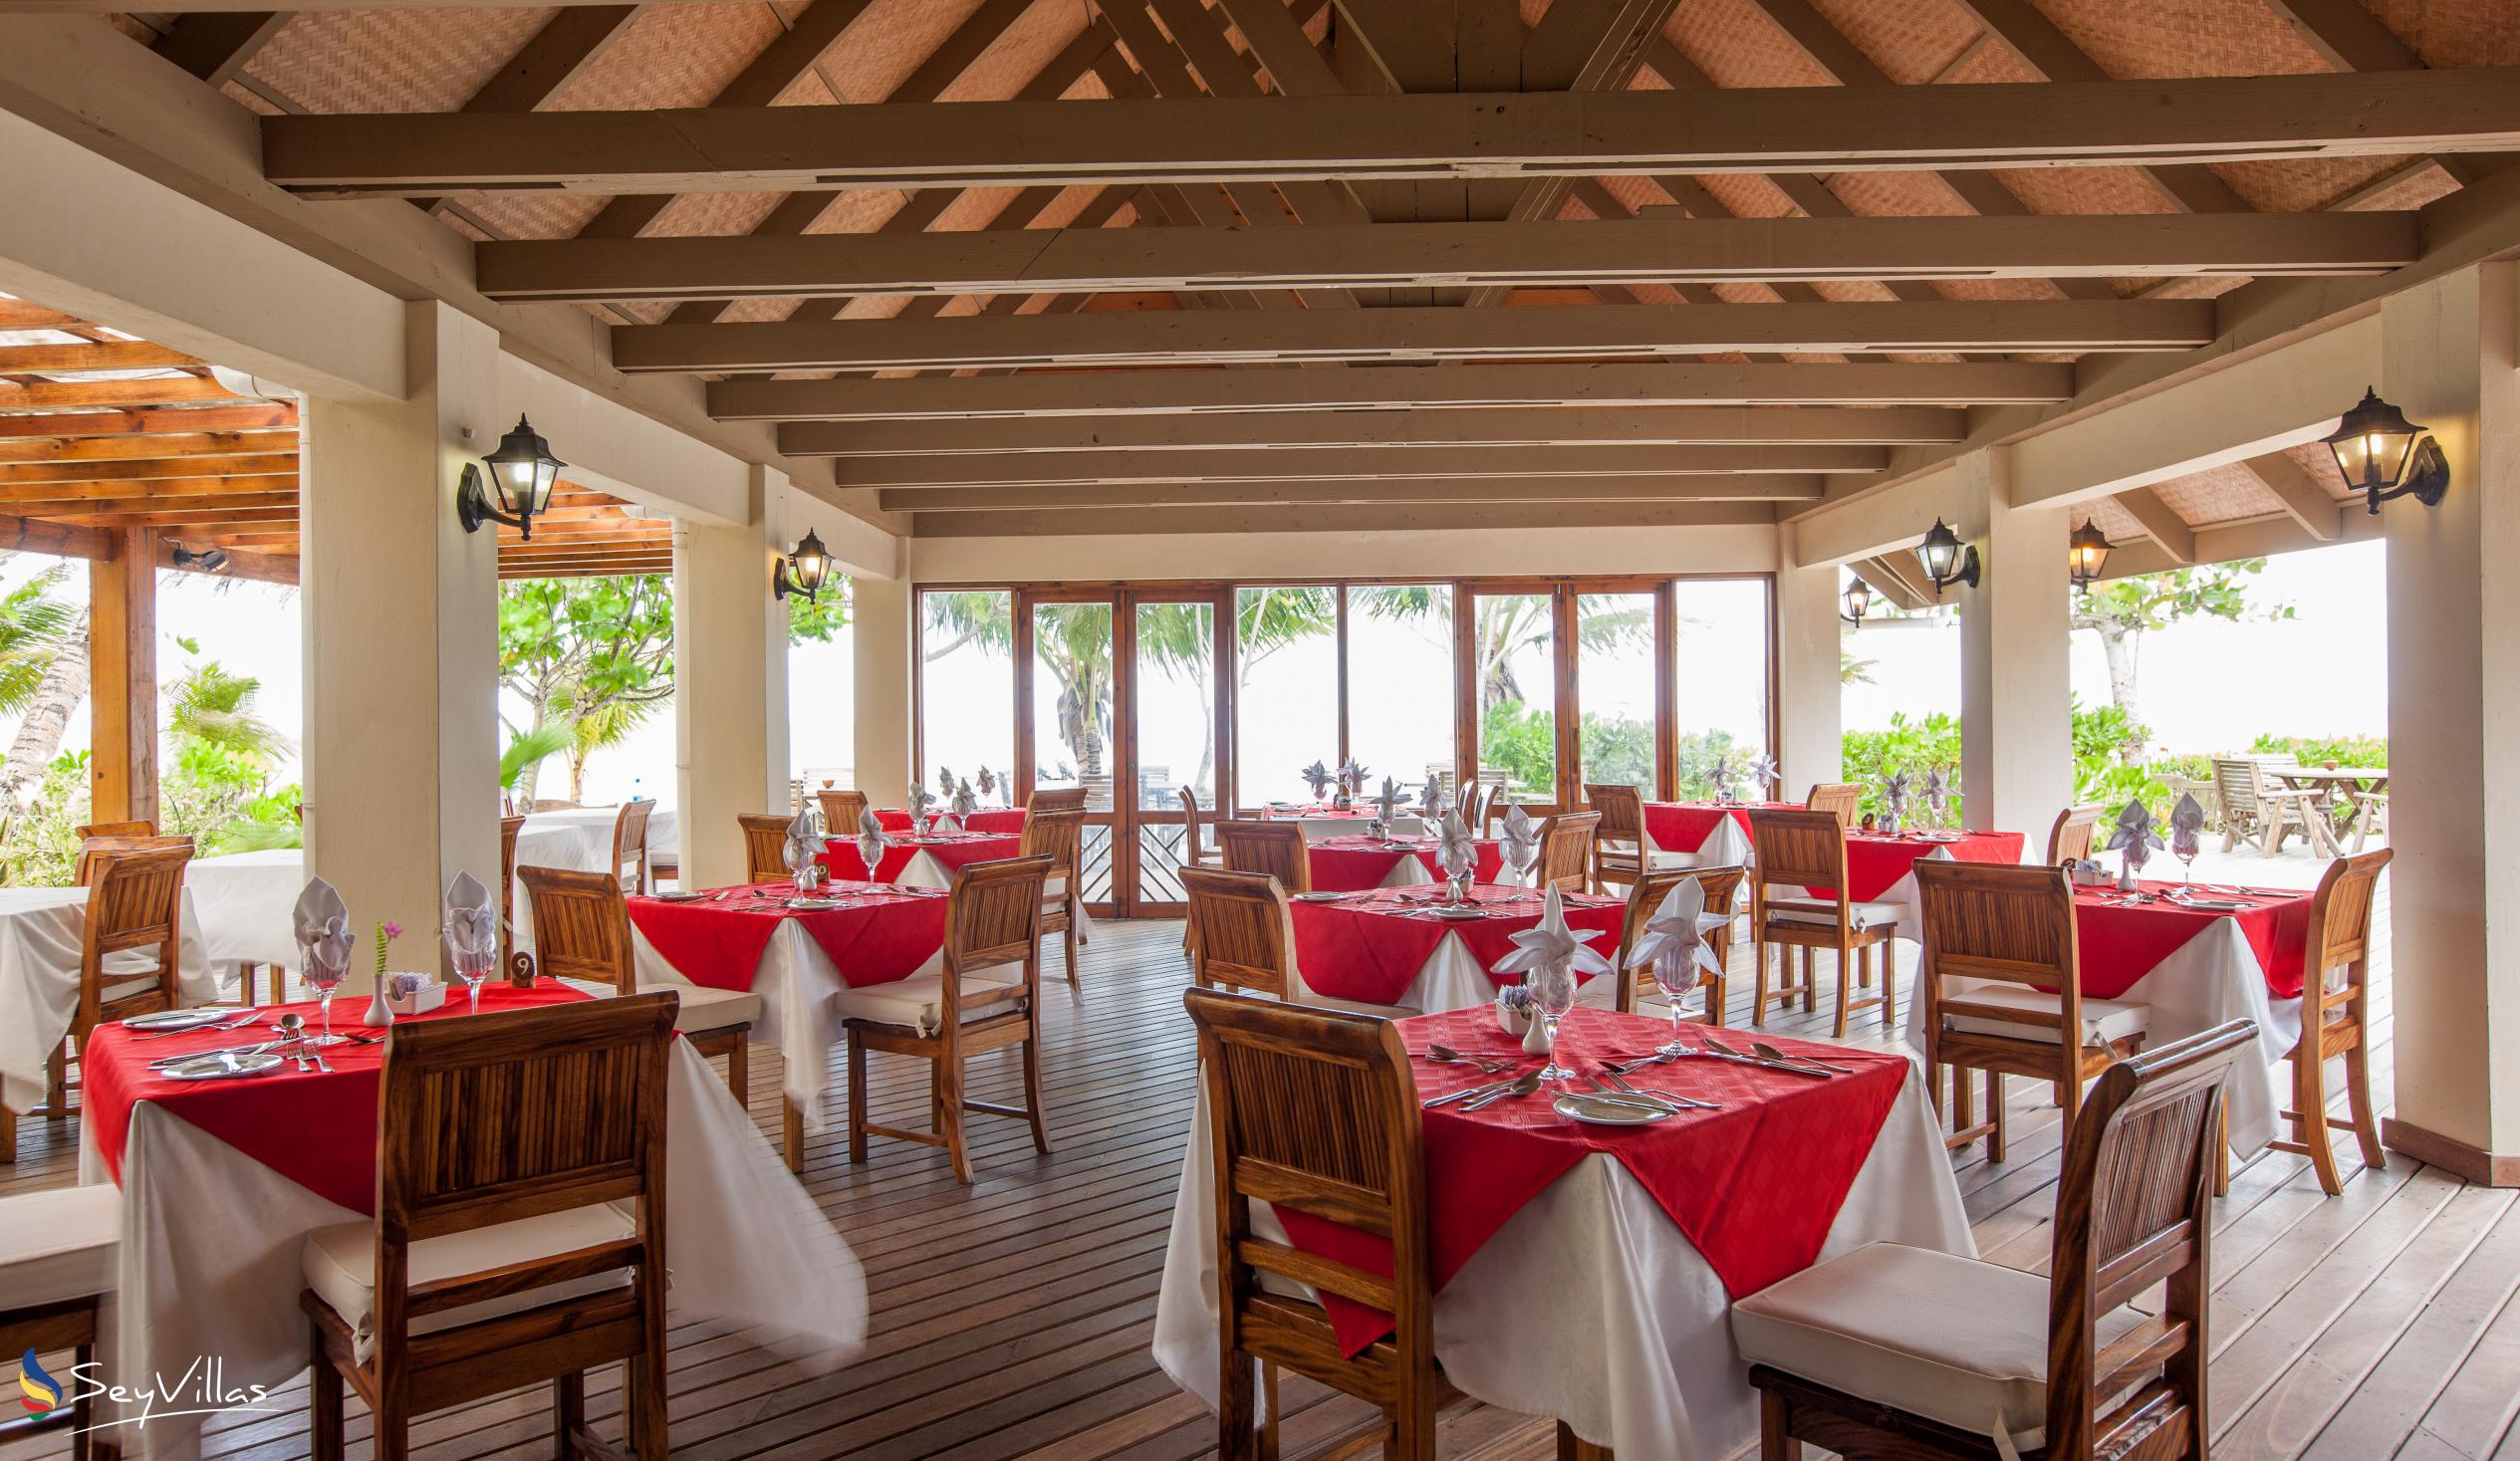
point(237, 1024)
point(1676, 1102)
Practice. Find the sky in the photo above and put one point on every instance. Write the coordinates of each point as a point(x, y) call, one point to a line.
point(2204, 686)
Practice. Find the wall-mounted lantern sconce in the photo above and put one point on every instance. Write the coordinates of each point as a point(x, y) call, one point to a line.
point(1946, 560)
point(2381, 455)
point(522, 471)
point(803, 570)
point(207, 561)
point(2086, 553)
point(1857, 600)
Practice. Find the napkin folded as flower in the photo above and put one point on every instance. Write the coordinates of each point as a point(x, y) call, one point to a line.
point(2188, 826)
point(1316, 776)
point(917, 803)
point(1937, 791)
point(1895, 793)
point(1387, 806)
point(2135, 835)
point(1720, 776)
point(965, 804)
point(944, 782)
point(1763, 773)
point(1675, 941)
point(1351, 777)
point(472, 922)
point(802, 843)
point(322, 926)
point(1522, 842)
point(1552, 951)
point(1430, 801)
point(871, 839)
point(1459, 853)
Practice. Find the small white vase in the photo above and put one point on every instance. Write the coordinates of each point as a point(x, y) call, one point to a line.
point(380, 1014)
point(1536, 1040)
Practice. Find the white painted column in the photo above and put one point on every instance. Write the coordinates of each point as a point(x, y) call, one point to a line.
point(879, 619)
point(2449, 360)
point(1809, 730)
point(2016, 707)
point(400, 608)
point(730, 639)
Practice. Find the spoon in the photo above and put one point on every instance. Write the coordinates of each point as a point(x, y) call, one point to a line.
point(293, 1027)
point(1770, 1052)
point(1621, 1068)
point(1447, 1054)
point(1523, 1087)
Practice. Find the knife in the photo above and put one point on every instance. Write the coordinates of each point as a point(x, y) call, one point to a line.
point(1468, 1092)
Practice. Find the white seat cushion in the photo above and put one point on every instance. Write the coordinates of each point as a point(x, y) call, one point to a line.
point(705, 1009)
point(1315, 1000)
point(128, 987)
point(340, 1265)
point(1821, 911)
point(917, 1002)
point(59, 1244)
point(2104, 1019)
point(1953, 1339)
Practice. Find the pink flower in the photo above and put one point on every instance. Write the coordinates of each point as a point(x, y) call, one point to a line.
point(392, 929)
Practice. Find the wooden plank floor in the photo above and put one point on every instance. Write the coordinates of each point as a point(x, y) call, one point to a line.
point(1012, 1318)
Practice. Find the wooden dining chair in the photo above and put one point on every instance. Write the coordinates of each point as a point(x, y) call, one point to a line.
point(1274, 848)
point(135, 911)
point(985, 995)
point(516, 965)
point(1619, 843)
point(1060, 836)
point(1910, 1352)
point(630, 845)
point(93, 849)
point(2076, 830)
point(1269, 1068)
point(1241, 931)
point(1055, 799)
point(765, 845)
point(141, 827)
point(59, 1252)
point(1193, 854)
point(1483, 806)
point(1565, 850)
point(1721, 886)
point(1794, 851)
point(520, 1227)
point(1844, 798)
point(582, 931)
point(841, 811)
point(2336, 1019)
point(2011, 929)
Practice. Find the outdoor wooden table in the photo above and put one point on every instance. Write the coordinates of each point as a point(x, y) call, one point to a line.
point(2353, 784)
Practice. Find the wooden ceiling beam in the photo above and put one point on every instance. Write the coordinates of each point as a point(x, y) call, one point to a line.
point(1143, 393)
point(34, 535)
point(1649, 250)
point(2303, 499)
point(1221, 338)
point(1885, 579)
point(252, 486)
point(182, 446)
point(1366, 463)
point(101, 355)
point(281, 510)
point(135, 478)
point(17, 313)
point(750, 148)
point(50, 395)
point(2160, 523)
point(1781, 487)
point(216, 45)
point(260, 566)
point(1263, 430)
point(99, 425)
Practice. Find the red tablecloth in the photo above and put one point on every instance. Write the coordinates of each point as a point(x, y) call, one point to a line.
point(2121, 945)
point(1876, 862)
point(1754, 1186)
point(1322, 811)
point(953, 850)
point(317, 1128)
point(988, 819)
point(886, 933)
point(1370, 947)
point(1683, 826)
point(1351, 863)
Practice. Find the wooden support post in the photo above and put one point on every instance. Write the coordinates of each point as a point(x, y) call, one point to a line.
point(122, 656)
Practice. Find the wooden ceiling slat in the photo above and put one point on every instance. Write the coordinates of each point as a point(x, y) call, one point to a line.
point(130, 423)
point(101, 355)
point(1288, 464)
point(17, 313)
point(1781, 487)
point(52, 395)
point(136, 478)
point(253, 486)
point(216, 45)
point(166, 448)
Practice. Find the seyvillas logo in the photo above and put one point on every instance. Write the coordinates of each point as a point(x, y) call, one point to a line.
point(201, 1390)
point(41, 1393)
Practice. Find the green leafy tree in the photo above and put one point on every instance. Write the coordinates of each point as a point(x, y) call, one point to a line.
point(818, 620)
point(2123, 611)
point(579, 649)
point(43, 674)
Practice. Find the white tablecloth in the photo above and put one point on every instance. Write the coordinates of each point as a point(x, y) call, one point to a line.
point(1728, 845)
point(1319, 829)
point(1589, 1305)
point(209, 1262)
point(246, 902)
point(41, 933)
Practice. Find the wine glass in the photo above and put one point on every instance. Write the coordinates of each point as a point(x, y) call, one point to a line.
point(1676, 975)
point(324, 977)
point(472, 965)
point(797, 854)
point(2186, 844)
point(1553, 996)
point(1519, 857)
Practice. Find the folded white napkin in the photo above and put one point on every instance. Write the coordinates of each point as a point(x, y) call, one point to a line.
point(1551, 950)
point(802, 843)
point(1675, 941)
point(1387, 804)
point(1459, 853)
point(871, 839)
point(1351, 777)
point(472, 920)
point(1522, 843)
point(1763, 773)
point(1430, 801)
point(964, 803)
point(1316, 776)
point(322, 925)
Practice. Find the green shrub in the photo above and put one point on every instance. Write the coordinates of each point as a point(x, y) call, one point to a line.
point(2314, 749)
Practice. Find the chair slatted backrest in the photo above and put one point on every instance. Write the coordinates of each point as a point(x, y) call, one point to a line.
point(841, 811)
point(1272, 847)
point(1989, 921)
point(516, 1114)
point(1644, 897)
point(509, 827)
point(141, 827)
point(1242, 933)
point(2077, 828)
point(1841, 798)
point(581, 926)
point(134, 901)
point(1191, 852)
point(2235, 783)
point(629, 841)
point(1622, 810)
point(2338, 957)
point(93, 849)
point(2133, 1208)
point(1315, 1110)
point(1056, 799)
point(994, 917)
point(765, 845)
point(1058, 836)
point(1565, 850)
point(1483, 808)
point(1795, 850)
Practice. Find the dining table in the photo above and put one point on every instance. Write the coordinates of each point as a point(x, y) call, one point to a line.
point(2197, 959)
point(793, 959)
point(984, 819)
point(1354, 862)
point(935, 859)
point(43, 938)
point(1880, 865)
point(1586, 1273)
point(1704, 833)
point(223, 1179)
point(1323, 820)
point(1409, 948)
point(2350, 789)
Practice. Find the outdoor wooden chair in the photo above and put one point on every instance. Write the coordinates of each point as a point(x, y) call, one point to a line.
point(986, 996)
point(1795, 851)
point(1721, 886)
point(1619, 844)
point(1055, 799)
point(1898, 1351)
point(1483, 806)
point(2076, 830)
point(2011, 929)
point(1060, 836)
point(58, 1262)
point(842, 812)
point(1241, 933)
point(557, 1243)
point(582, 931)
point(2256, 807)
point(2335, 1019)
point(1274, 848)
point(630, 845)
point(766, 847)
point(1565, 850)
point(1842, 799)
point(1194, 855)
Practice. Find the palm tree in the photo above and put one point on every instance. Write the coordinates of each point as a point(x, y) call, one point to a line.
point(43, 675)
point(609, 724)
point(213, 707)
